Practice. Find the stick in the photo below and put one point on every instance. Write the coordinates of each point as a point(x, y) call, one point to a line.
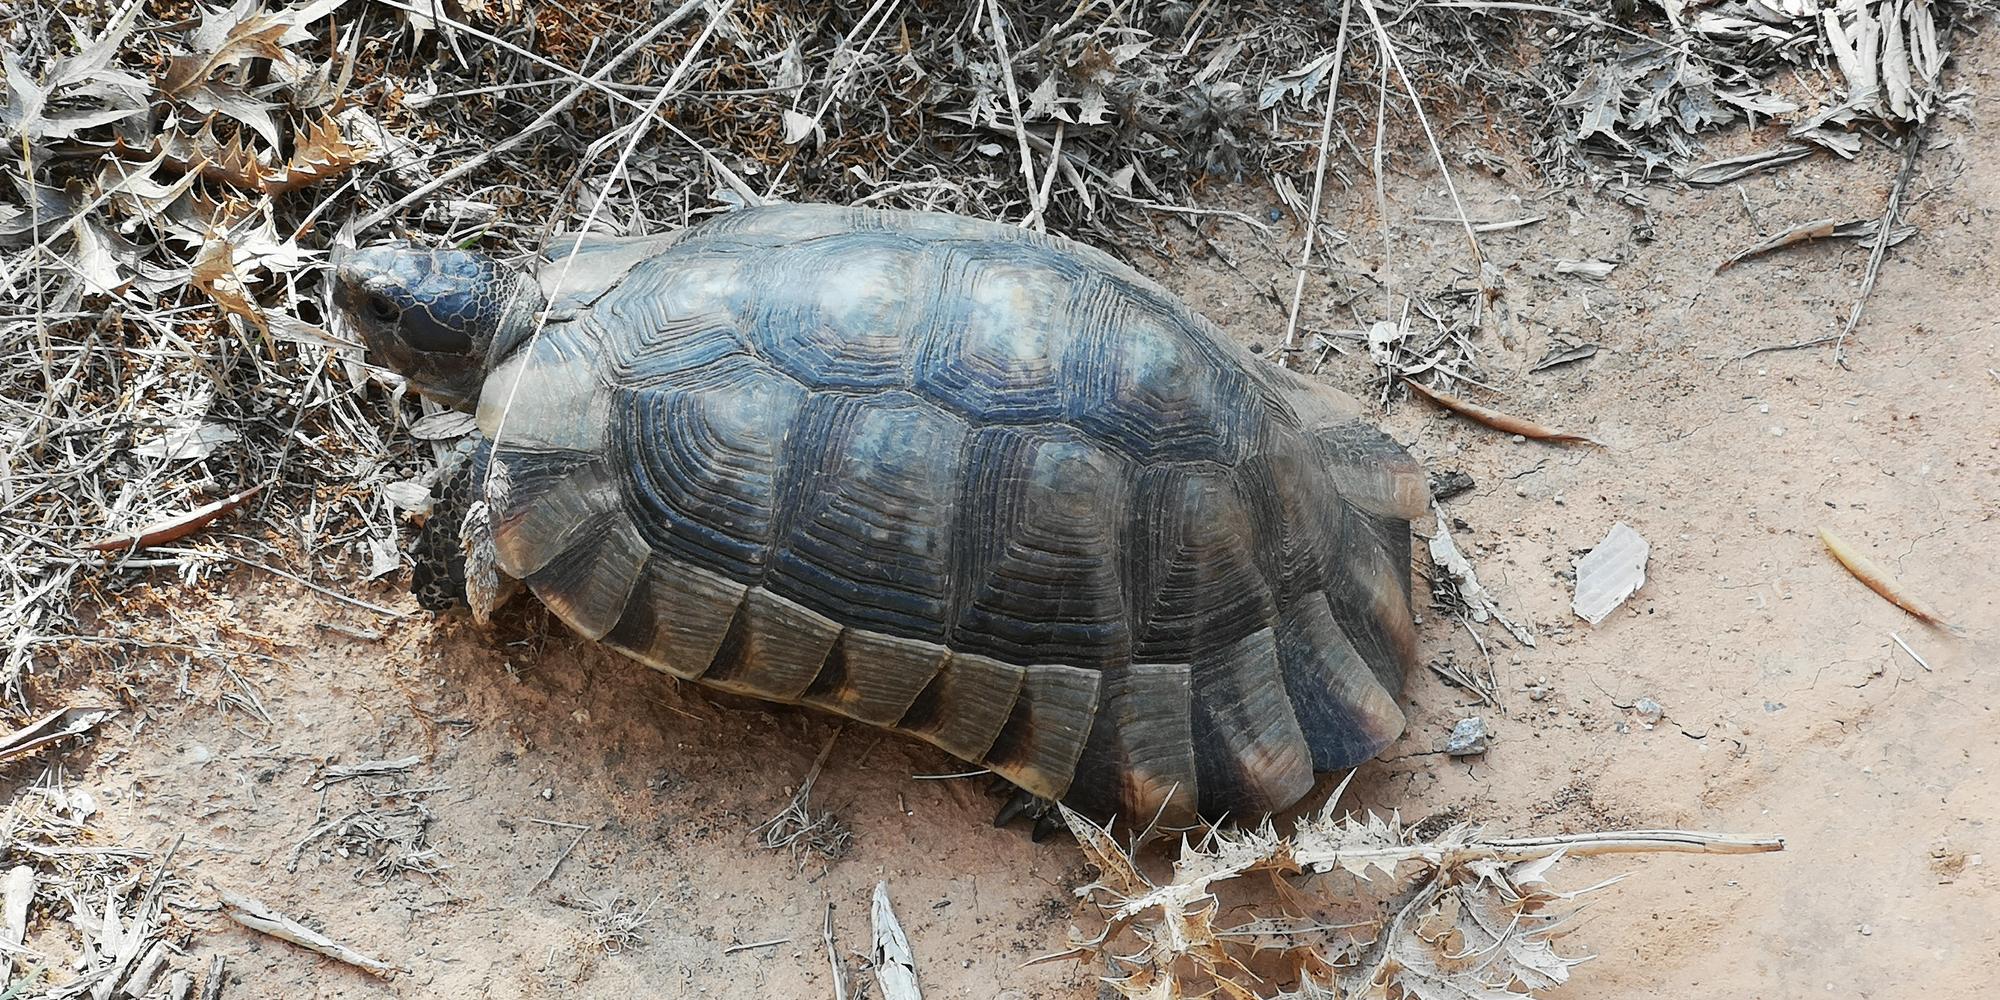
point(1319, 186)
point(1436, 153)
point(1883, 237)
point(211, 988)
point(833, 957)
point(1014, 104)
point(259, 917)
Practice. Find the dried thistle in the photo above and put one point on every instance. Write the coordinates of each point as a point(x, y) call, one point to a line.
point(1351, 907)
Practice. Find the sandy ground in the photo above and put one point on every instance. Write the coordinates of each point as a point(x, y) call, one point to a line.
point(1789, 709)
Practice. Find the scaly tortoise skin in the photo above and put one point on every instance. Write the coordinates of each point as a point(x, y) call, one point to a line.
point(985, 487)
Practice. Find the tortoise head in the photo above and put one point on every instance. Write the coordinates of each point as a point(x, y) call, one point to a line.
point(439, 317)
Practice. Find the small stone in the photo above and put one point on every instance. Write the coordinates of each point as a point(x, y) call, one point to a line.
point(1538, 694)
point(1649, 712)
point(548, 795)
point(1468, 738)
point(1866, 930)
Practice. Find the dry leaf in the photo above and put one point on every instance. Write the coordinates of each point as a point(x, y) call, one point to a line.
point(176, 527)
point(214, 272)
point(1495, 419)
point(1879, 580)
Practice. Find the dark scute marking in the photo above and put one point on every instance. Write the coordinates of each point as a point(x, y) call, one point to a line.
point(1190, 564)
point(1369, 592)
point(868, 505)
point(773, 648)
point(965, 705)
point(1038, 551)
point(1250, 756)
point(1139, 761)
point(590, 583)
point(677, 617)
point(1045, 734)
point(1155, 380)
point(874, 678)
point(1342, 710)
point(842, 310)
point(702, 464)
point(996, 344)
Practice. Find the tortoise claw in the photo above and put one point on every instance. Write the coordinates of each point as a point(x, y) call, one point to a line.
point(1021, 803)
point(1046, 824)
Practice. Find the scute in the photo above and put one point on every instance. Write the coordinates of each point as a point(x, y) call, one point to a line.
point(1139, 378)
point(851, 316)
point(984, 487)
point(701, 464)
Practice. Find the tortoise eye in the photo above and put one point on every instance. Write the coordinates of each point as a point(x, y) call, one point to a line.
point(381, 309)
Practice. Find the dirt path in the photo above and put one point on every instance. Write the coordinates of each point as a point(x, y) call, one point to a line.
point(1789, 710)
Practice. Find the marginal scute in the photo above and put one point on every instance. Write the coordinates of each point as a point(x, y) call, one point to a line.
point(1345, 712)
point(547, 398)
point(677, 617)
point(1044, 736)
point(1250, 755)
point(1139, 761)
point(965, 706)
point(875, 678)
point(590, 583)
point(774, 648)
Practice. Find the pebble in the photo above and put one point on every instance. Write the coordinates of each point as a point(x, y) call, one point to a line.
point(1649, 711)
point(1468, 738)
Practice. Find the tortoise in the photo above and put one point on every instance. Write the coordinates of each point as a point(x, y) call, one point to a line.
point(985, 487)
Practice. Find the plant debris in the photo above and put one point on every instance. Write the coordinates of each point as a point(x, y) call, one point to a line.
point(1351, 906)
point(260, 917)
point(1495, 419)
point(1879, 580)
point(1818, 229)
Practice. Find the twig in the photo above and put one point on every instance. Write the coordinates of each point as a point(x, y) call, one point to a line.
point(1913, 653)
point(1319, 186)
point(547, 117)
point(211, 988)
point(1014, 105)
point(774, 942)
point(259, 917)
point(560, 858)
point(316, 588)
point(838, 971)
point(1884, 235)
point(1417, 102)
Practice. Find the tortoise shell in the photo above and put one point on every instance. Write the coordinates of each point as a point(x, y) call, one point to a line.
point(985, 487)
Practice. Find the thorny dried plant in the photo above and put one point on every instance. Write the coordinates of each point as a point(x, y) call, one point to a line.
point(1349, 907)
